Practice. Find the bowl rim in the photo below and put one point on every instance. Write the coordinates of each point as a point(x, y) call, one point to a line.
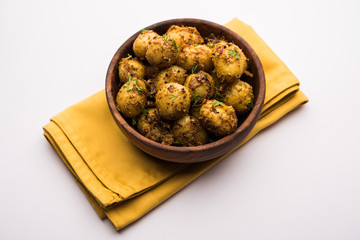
point(247, 123)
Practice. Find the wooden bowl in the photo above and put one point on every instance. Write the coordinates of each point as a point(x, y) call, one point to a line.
point(198, 153)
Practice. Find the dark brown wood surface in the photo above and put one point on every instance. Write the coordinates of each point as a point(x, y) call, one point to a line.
point(198, 153)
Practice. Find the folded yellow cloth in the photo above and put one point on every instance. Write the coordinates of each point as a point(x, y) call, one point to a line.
point(123, 183)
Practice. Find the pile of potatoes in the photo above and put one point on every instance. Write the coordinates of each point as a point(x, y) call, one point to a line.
point(183, 90)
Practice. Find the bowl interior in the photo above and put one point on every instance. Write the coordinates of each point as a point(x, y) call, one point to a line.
point(198, 153)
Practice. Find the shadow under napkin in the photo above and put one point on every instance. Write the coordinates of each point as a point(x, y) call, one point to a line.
point(123, 183)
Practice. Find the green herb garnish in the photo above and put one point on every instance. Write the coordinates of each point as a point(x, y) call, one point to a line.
point(175, 45)
point(134, 121)
point(216, 103)
point(165, 38)
point(251, 103)
point(196, 98)
point(142, 31)
point(210, 45)
point(127, 83)
point(129, 56)
point(176, 143)
point(234, 53)
point(137, 86)
point(173, 96)
point(193, 69)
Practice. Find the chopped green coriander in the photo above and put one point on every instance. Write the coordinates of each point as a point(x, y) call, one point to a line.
point(137, 86)
point(173, 96)
point(129, 56)
point(175, 45)
point(234, 53)
point(216, 103)
point(127, 83)
point(196, 98)
point(193, 69)
point(134, 121)
point(165, 38)
point(251, 103)
point(210, 45)
point(142, 31)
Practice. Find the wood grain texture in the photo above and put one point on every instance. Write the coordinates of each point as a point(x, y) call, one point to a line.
point(198, 153)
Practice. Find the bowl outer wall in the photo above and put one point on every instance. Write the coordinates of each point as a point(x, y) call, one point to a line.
point(198, 153)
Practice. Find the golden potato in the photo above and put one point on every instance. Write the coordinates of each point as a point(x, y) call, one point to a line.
point(151, 126)
point(240, 95)
point(172, 101)
point(131, 98)
point(218, 118)
point(188, 131)
point(184, 35)
point(171, 74)
point(131, 67)
point(201, 86)
point(195, 57)
point(142, 42)
point(229, 60)
point(162, 52)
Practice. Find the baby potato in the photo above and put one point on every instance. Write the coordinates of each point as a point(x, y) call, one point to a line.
point(151, 126)
point(172, 101)
point(195, 56)
point(162, 52)
point(171, 74)
point(131, 67)
point(240, 95)
point(142, 42)
point(131, 98)
point(218, 118)
point(184, 35)
point(201, 86)
point(229, 60)
point(188, 131)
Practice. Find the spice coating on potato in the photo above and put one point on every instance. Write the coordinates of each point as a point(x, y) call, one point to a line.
point(131, 67)
point(184, 89)
point(142, 42)
point(218, 118)
point(131, 98)
point(172, 101)
point(229, 60)
point(184, 35)
point(195, 56)
point(171, 74)
point(240, 95)
point(189, 132)
point(162, 52)
point(152, 126)
point(201, 86)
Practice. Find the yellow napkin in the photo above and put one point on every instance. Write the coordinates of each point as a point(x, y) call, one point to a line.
point(123, 183)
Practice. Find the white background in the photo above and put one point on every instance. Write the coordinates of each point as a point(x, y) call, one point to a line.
point(298, 179)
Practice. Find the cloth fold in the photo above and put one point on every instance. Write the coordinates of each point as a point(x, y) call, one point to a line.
point(123, 183)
